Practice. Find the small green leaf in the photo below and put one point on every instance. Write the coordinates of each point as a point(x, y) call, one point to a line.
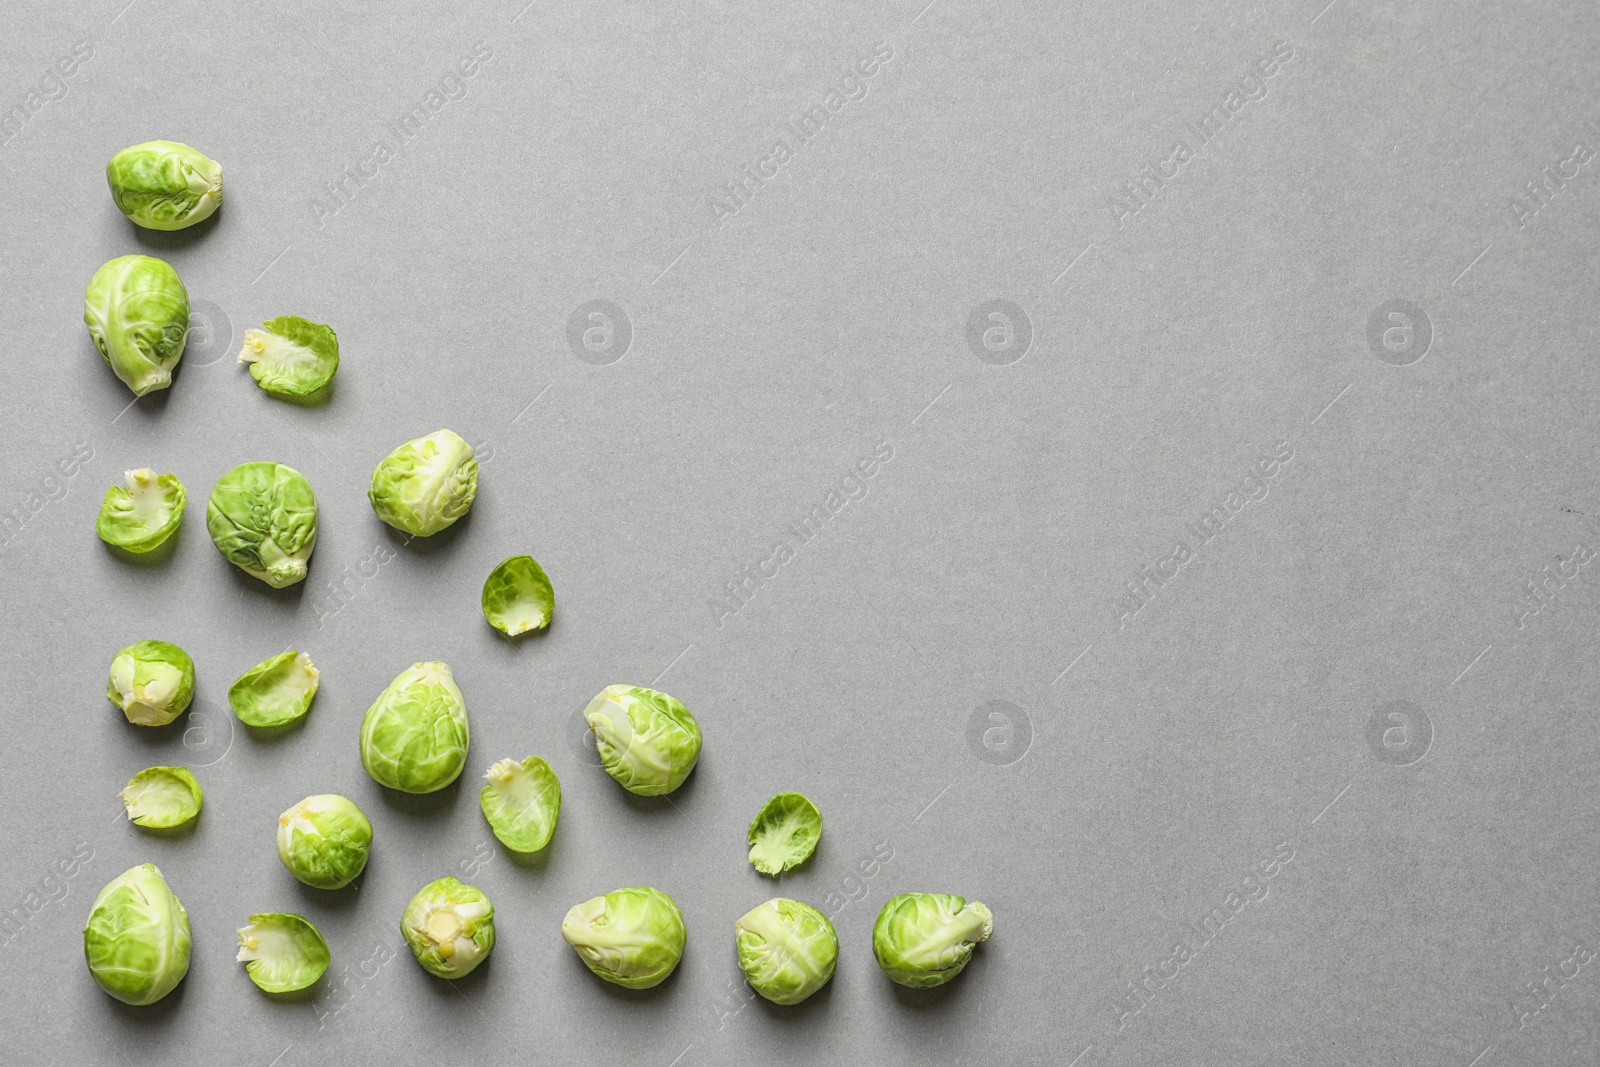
point(276, 691)
point(141, 514)
point(162, 797)
point(283, 952)
point(521, 802)
point(784, 833)
point(517, 596)
point(291, 356)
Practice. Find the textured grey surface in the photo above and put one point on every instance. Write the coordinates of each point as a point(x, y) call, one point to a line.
point(954, 668)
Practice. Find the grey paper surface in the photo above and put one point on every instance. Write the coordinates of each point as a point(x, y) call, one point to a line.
point(1214, 600)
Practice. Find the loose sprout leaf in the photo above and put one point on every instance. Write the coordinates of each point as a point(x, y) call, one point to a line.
point(164, 185)
point(151, 681)
point(923, 940)
point(137, 938)
point(646, 740)
point(291, 356)
point(630, 937)
point(324, 841)
point(426, 484)
point(143, 512)
point(162, 797)
point(517, 596)
point(263, 519)
point(414, 737)
point(137, 312)
point(787, 950)
point(521, 802)
point(283, 952)
point(784, 833)
point(450, 927)
point(276, 691)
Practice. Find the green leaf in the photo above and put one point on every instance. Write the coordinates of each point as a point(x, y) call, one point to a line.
point(521, 802)
point(141, 514)
point(517, 596)
point(282, 951)
point(162, 797)
point(291, 356)
point(276, 691)
point(784, 833)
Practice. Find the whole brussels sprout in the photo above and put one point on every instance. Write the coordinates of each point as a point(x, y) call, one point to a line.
point(137, 938)
point(787, 950)
point(784, 833)
point(151, 681)
point(164, 185)
point(517, 596)
point(282, 951)
point(450, 927)
point(647, 741)
point(140, 517)
point(629, 937)
point(521, 802)
point(324, 841)
point(162, 797)
point(276, 691)
point(414, 736)
point(923, 940)
point(291, 356)
point(137, 311)
point(426, 484)
point(263, 519)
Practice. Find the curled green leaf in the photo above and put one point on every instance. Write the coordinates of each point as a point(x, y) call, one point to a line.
point(143, 512)
point(282, 951)
point(517, 596)
point(276, 691)
point(291, 356)
point(162, 797)
point(521, 802)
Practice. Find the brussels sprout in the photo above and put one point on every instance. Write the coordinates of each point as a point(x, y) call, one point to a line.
point(291, 356)
point(164, 185)
point(414, 737)
point(276, 691)
point(142, 516)
point(426, 484)
point(648, 741)
point(925, 939)
point(162, 797)
point(263, 519)
point(324, 841)
point(787, 950)
point(137, 938)
point(137, 311)
point(517, 596)
point(450, 927)
point(521, 802)
point(784, 833)
point(283, 952)
point(630, 937)
point(152, 682)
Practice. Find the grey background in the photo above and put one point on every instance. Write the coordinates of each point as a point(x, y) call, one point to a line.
point(1138, 771)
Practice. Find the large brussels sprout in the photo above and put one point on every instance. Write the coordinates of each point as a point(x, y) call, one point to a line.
point(282, 951)
point(630, 937)
point(450, 927)
point(276, 691)
point(787, 950)
point(291, 356)
point(137, 311)
point(162, 797)
point(521, 802)
point(426, 484)
point(151, 681)
point(517, 596)
point(647, 741)
point(142, 513)
point(164, 185)
point(414, 736)
point(263, 519)
point(925, 939)
point(784, 832)
point(137, 938)
point(324, 841)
